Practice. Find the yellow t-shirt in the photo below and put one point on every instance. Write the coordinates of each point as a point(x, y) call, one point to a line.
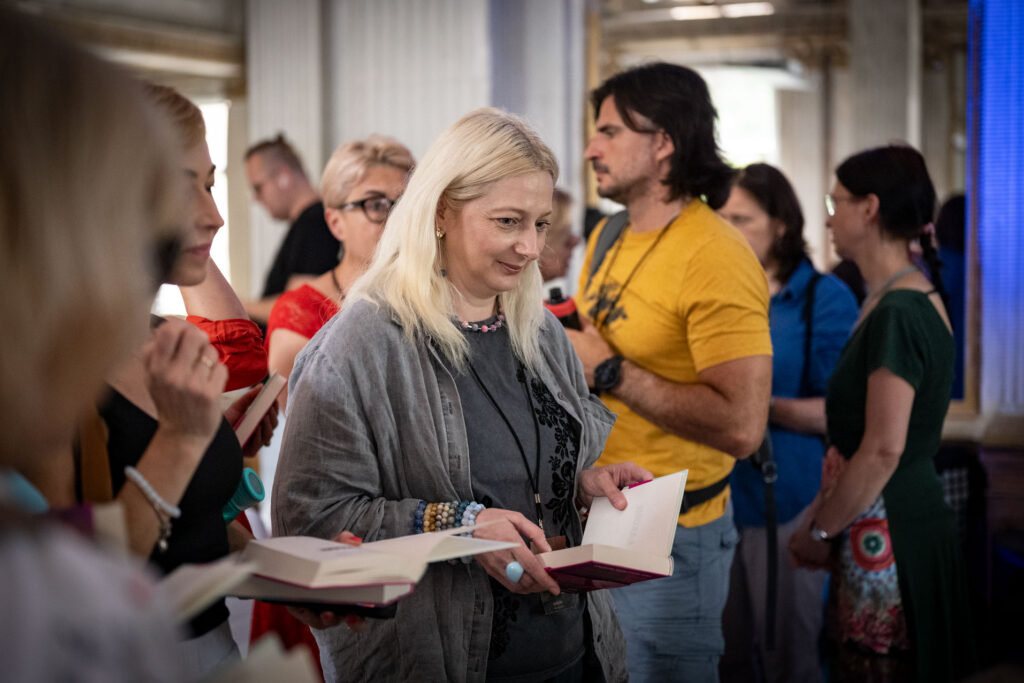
point(697, 299)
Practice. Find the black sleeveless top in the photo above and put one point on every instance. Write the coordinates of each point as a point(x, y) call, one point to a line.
point(200, 534)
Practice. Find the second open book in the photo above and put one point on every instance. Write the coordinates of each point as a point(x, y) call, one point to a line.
point(302, 570)
point(376, 573)
point(621, 547)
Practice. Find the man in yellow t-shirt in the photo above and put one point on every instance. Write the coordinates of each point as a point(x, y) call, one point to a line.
point(677, 344)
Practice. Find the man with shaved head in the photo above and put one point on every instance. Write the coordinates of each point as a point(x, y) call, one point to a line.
point(281, 185)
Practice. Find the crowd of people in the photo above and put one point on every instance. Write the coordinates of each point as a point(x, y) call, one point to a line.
point(406, 307)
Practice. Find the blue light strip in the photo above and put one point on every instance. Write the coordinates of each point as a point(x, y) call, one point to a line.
point(998, 191)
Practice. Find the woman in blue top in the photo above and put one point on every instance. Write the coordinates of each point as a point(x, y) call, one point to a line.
point(811, 316)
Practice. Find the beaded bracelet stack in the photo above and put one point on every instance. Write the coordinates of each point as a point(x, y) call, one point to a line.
point(446, 515)
point(165, 512)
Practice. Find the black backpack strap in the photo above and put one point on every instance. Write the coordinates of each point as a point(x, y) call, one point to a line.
point(765, 458)
point(764, 461)
point(609, 234)
point(695, 497)
point(771, 526)
point(805, 375)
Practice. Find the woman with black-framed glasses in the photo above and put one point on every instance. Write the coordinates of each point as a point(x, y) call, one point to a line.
point(361, 182)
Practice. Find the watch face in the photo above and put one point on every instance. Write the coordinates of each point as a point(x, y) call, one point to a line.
point(606, 375)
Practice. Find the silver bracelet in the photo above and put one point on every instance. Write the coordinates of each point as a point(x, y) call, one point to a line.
point(818, 534)
point(165, 512)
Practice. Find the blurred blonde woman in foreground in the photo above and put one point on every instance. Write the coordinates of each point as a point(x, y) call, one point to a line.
point(89, 182)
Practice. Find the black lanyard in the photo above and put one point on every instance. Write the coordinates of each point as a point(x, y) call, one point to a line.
point(533, 478)
point(618, 247)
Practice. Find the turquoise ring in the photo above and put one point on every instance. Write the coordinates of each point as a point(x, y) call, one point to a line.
point(514, 571)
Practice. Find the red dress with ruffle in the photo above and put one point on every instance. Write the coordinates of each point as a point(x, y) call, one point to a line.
point(239, 345)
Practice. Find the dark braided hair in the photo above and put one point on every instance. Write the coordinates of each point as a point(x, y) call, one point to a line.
point(897, 175)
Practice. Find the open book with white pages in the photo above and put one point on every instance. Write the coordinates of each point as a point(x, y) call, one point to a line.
point(621, 547)
point(302, 570)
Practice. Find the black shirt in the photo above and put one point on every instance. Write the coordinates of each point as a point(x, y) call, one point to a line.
point(309, 248)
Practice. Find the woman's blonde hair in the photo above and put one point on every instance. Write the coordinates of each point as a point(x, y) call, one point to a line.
point(183, 114)
point(485, 146)
point(350, 162)
point(88, 173)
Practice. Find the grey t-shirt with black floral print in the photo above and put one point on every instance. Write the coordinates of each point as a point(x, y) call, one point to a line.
point(526, 642)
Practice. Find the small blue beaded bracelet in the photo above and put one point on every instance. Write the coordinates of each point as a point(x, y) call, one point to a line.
point(417, 518)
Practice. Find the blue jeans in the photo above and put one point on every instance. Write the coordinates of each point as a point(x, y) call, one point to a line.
point(673, 626)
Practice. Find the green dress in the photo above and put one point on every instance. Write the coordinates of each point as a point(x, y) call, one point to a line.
point(906, 335)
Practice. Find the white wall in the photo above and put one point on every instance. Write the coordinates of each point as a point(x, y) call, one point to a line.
point(404, 68)
point(801, 149)
point(285, 94)
point(885, 69)
point(329, 71)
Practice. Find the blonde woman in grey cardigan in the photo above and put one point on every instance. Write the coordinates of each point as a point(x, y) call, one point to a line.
point(441, 394)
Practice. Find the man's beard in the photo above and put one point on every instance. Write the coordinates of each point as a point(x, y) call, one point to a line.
point(622, 193)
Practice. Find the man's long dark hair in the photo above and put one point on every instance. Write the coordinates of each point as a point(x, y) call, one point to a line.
point(675, 99)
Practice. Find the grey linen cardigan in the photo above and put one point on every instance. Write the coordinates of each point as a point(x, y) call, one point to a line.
point(374, 426)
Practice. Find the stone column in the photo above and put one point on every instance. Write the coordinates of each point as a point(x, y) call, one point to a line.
point(885, 71)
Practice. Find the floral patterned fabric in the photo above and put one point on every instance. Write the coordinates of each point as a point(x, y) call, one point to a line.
point(869, 610)
point(509, 414)
point(865, 607)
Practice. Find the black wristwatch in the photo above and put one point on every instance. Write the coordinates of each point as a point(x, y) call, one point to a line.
point(608, 374)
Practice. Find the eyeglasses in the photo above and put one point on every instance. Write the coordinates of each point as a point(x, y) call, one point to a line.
point(376, 209)
point(831, 201)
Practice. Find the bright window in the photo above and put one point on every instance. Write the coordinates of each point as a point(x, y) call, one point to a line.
point(745, 100)
point(168, 299)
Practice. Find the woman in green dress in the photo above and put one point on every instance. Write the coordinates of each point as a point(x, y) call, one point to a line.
point(898, 605)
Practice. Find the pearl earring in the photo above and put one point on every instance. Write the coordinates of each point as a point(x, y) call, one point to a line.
point(439, 233)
